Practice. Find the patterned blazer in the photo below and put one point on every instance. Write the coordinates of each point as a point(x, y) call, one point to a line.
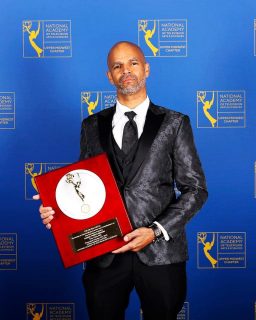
point(166, 160)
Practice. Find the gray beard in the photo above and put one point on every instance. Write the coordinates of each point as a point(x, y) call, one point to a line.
point(132, 89)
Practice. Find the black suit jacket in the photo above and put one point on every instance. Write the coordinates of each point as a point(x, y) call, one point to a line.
point(166, 158)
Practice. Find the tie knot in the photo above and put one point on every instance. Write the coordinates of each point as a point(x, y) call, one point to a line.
point(130, 115)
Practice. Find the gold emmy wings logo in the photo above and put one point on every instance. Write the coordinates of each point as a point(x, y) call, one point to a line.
point(32, 36)
point(207, 247)
point(95, 101)
point(221, 109)
point(207, 105)
point(33, 169)
point(91, 104)
point(33, 314)
point(50, 311)
point(29, 169)
point(148, 35)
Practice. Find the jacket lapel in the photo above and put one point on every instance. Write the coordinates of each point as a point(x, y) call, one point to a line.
point(151, 127)
point(105, 134)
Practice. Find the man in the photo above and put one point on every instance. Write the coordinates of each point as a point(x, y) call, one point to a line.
point(151, 151)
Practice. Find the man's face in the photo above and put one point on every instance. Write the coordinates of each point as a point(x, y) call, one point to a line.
point(127, 69)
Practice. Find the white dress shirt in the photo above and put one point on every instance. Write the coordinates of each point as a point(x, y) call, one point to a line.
point(120, 119)
point(118, 123)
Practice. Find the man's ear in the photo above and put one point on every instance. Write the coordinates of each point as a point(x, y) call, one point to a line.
point(110, 77)
point(147, 69)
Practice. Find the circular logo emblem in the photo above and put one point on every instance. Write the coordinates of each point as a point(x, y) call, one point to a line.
point(80, 194)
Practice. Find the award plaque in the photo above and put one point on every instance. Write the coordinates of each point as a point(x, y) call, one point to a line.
point(90, 217)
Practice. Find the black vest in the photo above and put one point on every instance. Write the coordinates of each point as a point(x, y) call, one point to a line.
point(124, 161)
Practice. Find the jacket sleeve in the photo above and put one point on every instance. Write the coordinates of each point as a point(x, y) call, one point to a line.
point(189, 179)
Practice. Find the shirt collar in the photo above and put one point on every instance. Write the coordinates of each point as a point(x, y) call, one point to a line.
point(140, 110)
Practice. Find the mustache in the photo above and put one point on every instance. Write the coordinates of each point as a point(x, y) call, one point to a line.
point(126, 76)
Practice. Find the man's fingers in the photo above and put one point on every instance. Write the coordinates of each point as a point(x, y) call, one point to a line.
point(46, 210)
point(137, 240)
point(127, 247)
point(120, 250)
point(131, 235)
point(47, 220)
point(47, 214)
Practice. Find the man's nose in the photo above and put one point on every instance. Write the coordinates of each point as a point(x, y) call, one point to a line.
point(126, 69)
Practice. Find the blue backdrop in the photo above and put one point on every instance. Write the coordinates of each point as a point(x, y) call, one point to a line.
point(52, 74)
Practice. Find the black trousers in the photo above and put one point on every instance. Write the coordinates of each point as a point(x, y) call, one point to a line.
point(161, 289)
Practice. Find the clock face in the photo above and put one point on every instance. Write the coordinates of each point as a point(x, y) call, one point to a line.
point(80, 194)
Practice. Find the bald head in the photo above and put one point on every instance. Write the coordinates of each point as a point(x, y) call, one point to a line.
point(127, 71)
point(122, 45)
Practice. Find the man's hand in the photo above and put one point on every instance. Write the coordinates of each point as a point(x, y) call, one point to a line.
point(46, 213)
point(137, 240)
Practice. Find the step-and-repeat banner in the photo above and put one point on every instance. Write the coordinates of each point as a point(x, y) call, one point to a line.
point(53, 74)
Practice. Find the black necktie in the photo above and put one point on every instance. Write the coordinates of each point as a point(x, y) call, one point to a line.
point(130, 133)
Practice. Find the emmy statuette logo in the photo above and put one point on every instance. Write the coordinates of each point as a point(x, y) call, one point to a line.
point(33, 169)
point(32, 35)
point(207, 105)
point(148, 35)
point(221, 109)
point(76, 182)
point(33, 313)
point(163, 38)
point(30, 170)
point(46, 39)
point(207, 247)
point(80, 194)
point(50, 311)
point(95, 101)
point(221, 250)
point(91, 103)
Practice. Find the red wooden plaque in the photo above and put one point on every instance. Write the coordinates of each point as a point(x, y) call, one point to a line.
point(90, 217)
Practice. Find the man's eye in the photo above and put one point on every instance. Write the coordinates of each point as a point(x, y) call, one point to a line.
point(134, 63)
point(117, 66)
